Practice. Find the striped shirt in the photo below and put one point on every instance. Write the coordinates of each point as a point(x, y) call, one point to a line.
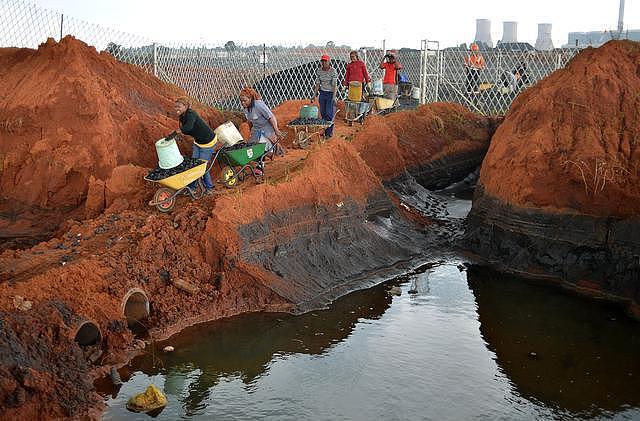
point(328, 79)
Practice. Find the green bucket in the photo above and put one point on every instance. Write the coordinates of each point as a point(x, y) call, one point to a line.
point(309, 111)
point(238, 157)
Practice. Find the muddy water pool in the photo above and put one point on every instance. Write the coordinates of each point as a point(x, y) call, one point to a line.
point(448, 341)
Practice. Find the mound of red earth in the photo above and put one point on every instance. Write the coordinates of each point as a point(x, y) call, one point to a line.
point(437, 143)
point(68, 117)
point(559, 190)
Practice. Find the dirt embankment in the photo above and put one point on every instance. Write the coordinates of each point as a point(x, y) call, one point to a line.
point(79, 141)
point(69, 116)
point(559, 190)
point(437, 143)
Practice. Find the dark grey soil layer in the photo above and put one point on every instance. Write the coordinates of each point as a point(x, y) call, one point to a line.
point(584, 251)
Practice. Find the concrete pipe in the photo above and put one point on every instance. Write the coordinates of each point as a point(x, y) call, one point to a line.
point(135, 307)
point(87, 333)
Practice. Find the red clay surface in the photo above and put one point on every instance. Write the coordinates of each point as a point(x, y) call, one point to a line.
point(76, 140)
point(571, 143)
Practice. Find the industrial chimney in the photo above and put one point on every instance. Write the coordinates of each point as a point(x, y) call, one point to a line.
point(483, 32)
point(509, 32)
point(544, 41)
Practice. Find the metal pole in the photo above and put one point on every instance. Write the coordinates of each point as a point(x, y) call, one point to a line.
point(620, 18)
point(264, 60)
point(155, 59)
point(61, 25)
point(423, 69)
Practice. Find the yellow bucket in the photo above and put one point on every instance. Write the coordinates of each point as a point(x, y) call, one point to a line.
point(355, 91)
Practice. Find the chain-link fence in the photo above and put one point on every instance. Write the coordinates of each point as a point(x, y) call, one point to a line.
point(214, 74)
point(508, 69)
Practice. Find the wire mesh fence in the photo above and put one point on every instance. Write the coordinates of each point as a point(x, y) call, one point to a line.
point(215, 73)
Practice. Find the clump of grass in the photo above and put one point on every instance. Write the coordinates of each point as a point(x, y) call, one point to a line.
point(598, 175)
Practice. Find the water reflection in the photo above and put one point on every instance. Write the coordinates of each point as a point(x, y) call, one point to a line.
point(564, 351)
point(244, 346)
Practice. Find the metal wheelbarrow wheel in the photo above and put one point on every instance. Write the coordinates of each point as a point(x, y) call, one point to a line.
point(165, 199)
point(229, 178)
point(303, 139)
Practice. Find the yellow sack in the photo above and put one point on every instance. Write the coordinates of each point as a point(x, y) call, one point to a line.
point(151, 399)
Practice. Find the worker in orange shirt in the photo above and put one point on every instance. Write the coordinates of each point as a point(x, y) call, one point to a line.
point(390, 81)
point(474, 63)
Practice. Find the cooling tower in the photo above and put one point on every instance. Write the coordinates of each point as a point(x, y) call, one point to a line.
point(544, 41)
point(509, 32)
point(483, 32)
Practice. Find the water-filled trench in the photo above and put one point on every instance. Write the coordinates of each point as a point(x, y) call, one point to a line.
point(451, 341)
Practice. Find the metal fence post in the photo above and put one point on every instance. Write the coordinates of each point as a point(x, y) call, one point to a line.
point(155, 59)
point(61, 25)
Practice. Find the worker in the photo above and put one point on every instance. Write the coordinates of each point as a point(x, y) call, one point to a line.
point(474, 63)
point(204, 140)
point(264, 125)
point(325, 89)
point(356, 71)
point(390, 80)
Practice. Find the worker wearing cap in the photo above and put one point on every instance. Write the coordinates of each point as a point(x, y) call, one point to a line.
point(325, 89)
point(390, 80)
point(474, 63)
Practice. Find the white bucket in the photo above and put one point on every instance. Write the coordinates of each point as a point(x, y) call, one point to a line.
point(415, 92)
point(228, 134)
point(376, 87)
point(169, 155)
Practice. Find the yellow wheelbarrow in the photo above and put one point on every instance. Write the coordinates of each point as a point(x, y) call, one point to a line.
point(165, 197)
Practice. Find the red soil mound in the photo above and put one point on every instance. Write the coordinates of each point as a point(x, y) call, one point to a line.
point(572, 142)
point(408, 139)
point(69, 114)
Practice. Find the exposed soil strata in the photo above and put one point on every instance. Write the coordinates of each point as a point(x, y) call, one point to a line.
point(596, 256)
point(433, 141)
point(74, 154)
point(559, 190)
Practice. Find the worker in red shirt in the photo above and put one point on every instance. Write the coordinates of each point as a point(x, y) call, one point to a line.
point(474, 63)
point(356, 71)
point(390, 80)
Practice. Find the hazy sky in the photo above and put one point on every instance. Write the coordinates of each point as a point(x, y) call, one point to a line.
point(365, 23)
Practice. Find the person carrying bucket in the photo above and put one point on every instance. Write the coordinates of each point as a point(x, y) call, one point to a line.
point(204, 139)
point(325, 89)
point(356, 72)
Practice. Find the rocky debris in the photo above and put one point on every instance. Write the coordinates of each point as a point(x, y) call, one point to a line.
point(159, 173)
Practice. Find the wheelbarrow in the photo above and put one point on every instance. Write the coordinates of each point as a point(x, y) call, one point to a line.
point(356, 111)
point(165, 197)
point(304, 133)
point(238, 162)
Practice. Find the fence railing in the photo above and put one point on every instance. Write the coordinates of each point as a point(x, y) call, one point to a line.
point(215, 73)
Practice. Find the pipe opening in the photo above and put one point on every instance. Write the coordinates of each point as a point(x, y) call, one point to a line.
point(88, 334)
point(136, 309)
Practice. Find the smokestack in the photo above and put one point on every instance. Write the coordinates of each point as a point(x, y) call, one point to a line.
point(621, 17)
point(483, 32)
point(509, 32)
point(544, 41)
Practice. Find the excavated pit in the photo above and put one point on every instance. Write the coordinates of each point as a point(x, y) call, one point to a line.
point(326, 221)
